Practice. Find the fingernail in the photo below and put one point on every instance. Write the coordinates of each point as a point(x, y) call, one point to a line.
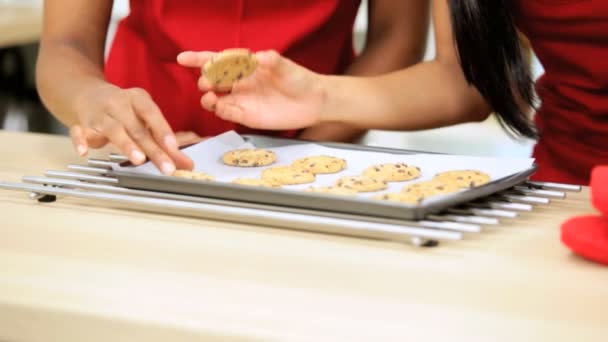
point(81, 150)
point(137, 156)
point(167, 168)
point(171, 142)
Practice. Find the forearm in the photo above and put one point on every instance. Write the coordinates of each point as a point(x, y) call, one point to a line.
point(427, 95)
point(396, 39)
point(63, 71)
point(383, 55)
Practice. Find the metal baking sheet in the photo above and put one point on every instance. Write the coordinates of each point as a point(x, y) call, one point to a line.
point(297, 199)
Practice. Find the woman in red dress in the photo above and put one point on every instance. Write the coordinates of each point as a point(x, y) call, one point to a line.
point(142, 95)
point(484, 72)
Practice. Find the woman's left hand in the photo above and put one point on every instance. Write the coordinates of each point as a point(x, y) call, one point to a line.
point(279, 95)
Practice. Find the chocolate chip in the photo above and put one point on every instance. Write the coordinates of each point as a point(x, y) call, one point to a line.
point(240, 75)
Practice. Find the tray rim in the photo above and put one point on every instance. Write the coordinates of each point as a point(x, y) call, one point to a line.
point(318, 201)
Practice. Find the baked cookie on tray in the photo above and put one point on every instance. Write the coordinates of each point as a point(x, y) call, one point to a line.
point(320, 164)
point(195, 175)
point(287, 175)
point(431, 188)
point(256, 182)
point(464, 178)
point(249, 157)
point(229, 66)
point(361, 183)
point(334, 190)
point(401, 197)
point(393, 172)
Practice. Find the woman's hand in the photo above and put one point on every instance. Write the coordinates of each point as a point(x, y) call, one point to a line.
point(278, 95)
point(130, 120)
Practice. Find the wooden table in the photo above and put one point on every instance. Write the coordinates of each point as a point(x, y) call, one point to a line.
point(70, 272)
point(19, 24)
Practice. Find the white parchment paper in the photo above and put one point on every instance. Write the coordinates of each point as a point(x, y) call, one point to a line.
point(207, 158)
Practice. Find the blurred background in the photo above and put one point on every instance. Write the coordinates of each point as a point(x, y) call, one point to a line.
point(21, 110)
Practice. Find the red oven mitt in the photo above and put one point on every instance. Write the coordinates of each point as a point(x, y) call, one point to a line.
point(588, 235)
point(599, 189)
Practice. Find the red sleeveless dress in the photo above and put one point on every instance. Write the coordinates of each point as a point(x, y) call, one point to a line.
point(314, 33)
point(570, 38)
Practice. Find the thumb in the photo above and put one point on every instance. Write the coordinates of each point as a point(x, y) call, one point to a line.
point(79, 140)
point(272, 60)
point(194, 59)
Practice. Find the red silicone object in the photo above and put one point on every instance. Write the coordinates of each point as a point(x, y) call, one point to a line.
point(587, 236)
point(599, 189)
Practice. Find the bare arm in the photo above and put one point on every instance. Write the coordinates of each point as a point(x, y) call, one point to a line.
point(71, 52)
point(284, 95)
point(427, 95)
point(396, 38)
point(71, 83)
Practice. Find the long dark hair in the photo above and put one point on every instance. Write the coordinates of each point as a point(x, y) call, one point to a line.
point(492, 58)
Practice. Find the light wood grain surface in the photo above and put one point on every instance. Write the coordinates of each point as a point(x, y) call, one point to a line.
point(19, 24)
point(74, 272)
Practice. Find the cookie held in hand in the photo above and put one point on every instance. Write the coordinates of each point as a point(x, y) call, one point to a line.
point(229, 66)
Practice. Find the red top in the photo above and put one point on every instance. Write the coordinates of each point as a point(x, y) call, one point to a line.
point(570, 38)
point(314, 33)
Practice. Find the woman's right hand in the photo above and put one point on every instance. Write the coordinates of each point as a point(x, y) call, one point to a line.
point(130, 120)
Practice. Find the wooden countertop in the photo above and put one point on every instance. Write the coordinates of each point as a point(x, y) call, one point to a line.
point(19, 24)
point(70, 272)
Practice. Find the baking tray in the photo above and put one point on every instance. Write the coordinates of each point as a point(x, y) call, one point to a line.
point(317, 201)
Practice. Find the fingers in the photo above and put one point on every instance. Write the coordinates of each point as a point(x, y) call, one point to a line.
point(118, 136)
point(152, 117)
point(79, 140)
point(129, 133)
point(204, 85)
point(272, 60)
point(194, 59)
point(152, 124)
point(209, 101)
point(95, 139)
point(228, 109)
